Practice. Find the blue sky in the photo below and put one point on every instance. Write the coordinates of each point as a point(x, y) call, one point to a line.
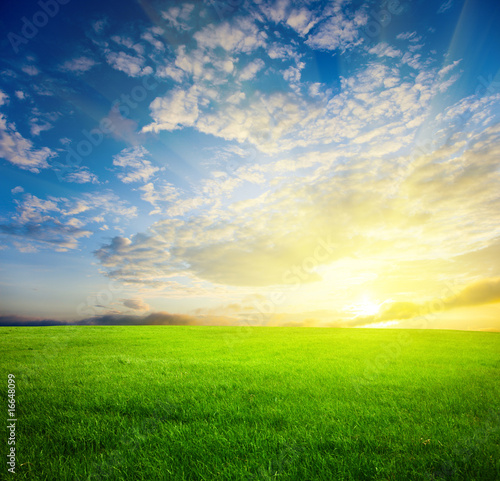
point(271, 162)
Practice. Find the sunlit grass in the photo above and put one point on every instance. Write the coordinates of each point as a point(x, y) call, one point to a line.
point(223, 403)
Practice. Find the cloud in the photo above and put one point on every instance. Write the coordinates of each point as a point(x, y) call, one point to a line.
point(136, 304)
point(276, 10)
point(484, 291)
point(240, 36)
point(411, 36)
point(481, 292)
point(301, 21)
point(99, 25)
point(178, 109)
point(133, 66)
point(82, 176)
point(178, 16)
point(60, 223)
point(50, 232)
point(20, 151)
point(17, 190)
point(280, 121)
point(408, 209)
point(162, 194)
point(338, 29)
point(4, 98)
point(78, 65)
point(128, 43)
point(14, 321)
point(133, 161)
point(445, 6)
point(383, 49)
point(154, 37)
point(251, 70)
point(30, 70)
point(153, 319)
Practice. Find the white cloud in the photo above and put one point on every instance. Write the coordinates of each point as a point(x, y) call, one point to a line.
point(17, 190)
point(131, 65)
point(78, 65)
point(448, 68)
point(154, 37)
point(301, 21)
point(60, 223)
point(31, 70)
point(383, 49)
point(129, 43)
point(281, 121)
point(411, 36)
point(20, 151)
point(38, 126)
point(137, 167)
point(179, 108)
point(99, 25)
point(20, 94)
point(339, 30)
point(178, 16)
point(37, 223)
point(250, 71)
point(241, 36)
point(4, 98)
point(82, 176)
point(258, 247)
point(277, 10)
point(445, 6)
point(158, 195)
point(171, 71)
point(236, 98)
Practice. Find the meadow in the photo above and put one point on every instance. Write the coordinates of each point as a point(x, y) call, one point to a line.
point(227, 403)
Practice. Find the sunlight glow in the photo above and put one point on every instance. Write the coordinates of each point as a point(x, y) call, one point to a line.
point(366, 307)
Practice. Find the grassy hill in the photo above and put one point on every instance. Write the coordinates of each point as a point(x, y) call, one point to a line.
point(228, 403)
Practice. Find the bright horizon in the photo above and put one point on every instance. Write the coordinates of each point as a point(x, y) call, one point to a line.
point(330, 164)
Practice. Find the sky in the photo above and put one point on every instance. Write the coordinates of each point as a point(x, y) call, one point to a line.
point(239, 162)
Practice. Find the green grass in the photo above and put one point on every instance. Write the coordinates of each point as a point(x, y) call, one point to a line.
point(226, 403)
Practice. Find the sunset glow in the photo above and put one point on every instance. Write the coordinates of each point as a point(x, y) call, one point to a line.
point(330, 164)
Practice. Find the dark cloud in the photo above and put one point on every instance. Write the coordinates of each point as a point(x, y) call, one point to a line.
point(136, 304)
point(11, 320)
point(154, 319)
point(51, 231)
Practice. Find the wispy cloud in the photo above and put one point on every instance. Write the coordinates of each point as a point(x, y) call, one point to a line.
point(445, 6)
point(136, 304)
point(133, 161)
point(78, 65)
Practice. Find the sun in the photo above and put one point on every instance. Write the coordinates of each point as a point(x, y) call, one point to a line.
point(366, 307)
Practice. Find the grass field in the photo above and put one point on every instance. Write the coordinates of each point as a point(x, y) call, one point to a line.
point(222, 403)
